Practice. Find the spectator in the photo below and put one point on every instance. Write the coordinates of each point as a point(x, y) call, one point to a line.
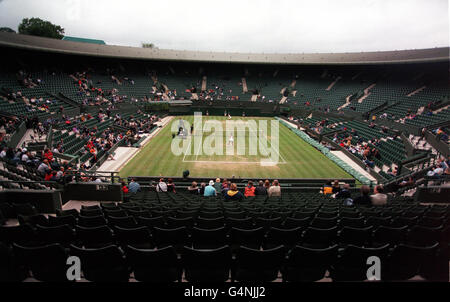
point(249, 189)
point(202, 189)
point(48, 155)
point(336, 187)
point(161, 186)
point(44, 167)
point(233, 194)
point(210, 190)
point(224, 183)
point(124, 188)
point(275, 189)
point(193, 188)
point(133, 186)
point(364, 198)
point(60, 173)
point(218, 185)
point(267, 184)
point(3, 153)
point(327, 188)
point(54, 176)
point(25, 157)
point(379, 198)
point(344, 193)
point(48, 175)
point(260, 190)
point(170, 186)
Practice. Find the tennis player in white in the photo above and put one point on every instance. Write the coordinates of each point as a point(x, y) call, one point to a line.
point(231, 140)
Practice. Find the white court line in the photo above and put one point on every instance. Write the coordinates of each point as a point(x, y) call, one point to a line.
point(225, 162)
point(188, 148)
point(283, 161)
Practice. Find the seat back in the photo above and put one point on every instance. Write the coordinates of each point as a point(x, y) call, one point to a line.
point(155, 265)
point(259, 265)
point(212, 265)
point(102, 264)
point(308, 264)
point(47, 262)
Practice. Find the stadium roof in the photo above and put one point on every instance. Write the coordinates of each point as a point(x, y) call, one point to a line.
point(70, 47)
point(84, 40)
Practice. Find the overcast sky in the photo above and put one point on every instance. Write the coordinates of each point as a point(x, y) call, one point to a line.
point(246, 25)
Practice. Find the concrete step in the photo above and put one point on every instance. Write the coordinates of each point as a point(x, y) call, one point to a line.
point(441, 109)
point(244, 85)
point(366, 93)
point(333, 83)
point(204, 82)
point(416, 91)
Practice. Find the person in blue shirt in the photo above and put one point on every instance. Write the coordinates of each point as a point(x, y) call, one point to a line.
point(210, 190)
point(133, 186)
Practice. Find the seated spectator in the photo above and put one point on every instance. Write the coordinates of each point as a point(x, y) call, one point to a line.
point(224, 183)
point(218, 185)
point(267, 184)
point(336, 187)
point(327, 189)
point(405, 183)
point(249, 189)
point(3, 153)
point(60, 173)
point(124, 188)
point(193, 188)
point(275, 189)
point(54, 176)
point(233, 194)
point(364, 198)
point(44, 167)
point(202, 188)
point(161, 186)
point(210, 190)
point(379, 198)
point(170, 186)
point(344, 193)
point(48, 155)
point(260, 190)
point(133, 186)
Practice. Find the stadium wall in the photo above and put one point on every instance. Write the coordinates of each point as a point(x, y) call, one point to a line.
point(45, 201)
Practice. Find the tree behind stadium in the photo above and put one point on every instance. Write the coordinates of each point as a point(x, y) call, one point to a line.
point(39, 27)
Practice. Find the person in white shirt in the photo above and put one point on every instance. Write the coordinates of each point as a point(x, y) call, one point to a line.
point(231, 140)
point(60, 173)
point(161, 186)
point(379, 198)
point(3, 153)
point(25, 157)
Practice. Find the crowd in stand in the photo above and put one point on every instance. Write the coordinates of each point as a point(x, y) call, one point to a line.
point(343, 192)
point(9, 124)
point(44, 164)
point(96, 96)
point(363, 149)
point(229, 191)
point(217, 92)
point(225, 188)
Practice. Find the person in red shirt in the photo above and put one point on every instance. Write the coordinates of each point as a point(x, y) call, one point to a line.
point(249, 189)
point(124, 188)
point(48, 155)
point(48, 176)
